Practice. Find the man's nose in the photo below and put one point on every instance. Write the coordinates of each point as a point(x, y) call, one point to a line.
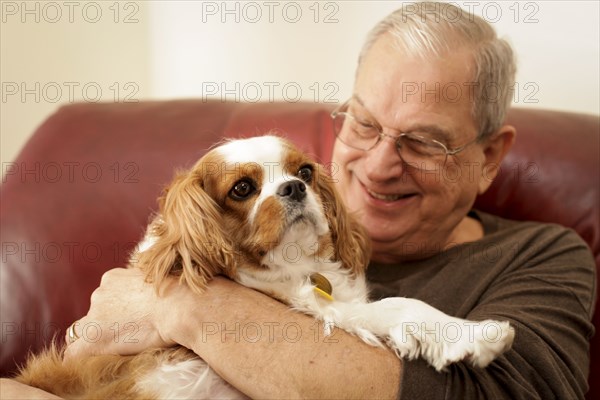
point(383, 162)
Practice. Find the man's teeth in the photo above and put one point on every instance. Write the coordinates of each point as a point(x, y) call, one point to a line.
point(387, 197)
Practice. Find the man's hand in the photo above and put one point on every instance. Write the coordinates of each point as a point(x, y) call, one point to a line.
point(126, 315)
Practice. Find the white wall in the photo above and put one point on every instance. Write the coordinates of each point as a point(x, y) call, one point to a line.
point(55, 53)
point(265, 50)
point(198, 47)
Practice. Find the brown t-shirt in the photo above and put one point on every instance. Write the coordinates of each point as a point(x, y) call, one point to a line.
point(540, 277)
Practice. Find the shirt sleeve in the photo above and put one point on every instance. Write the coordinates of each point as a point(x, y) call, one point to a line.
point(548, 296)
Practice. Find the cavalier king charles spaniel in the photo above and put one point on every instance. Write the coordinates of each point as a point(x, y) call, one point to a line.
point(262, 213)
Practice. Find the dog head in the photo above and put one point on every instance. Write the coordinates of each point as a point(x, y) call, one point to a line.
point(256, 206)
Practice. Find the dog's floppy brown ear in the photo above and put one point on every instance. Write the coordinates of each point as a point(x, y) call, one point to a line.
point(189, 236)
point(350, 240)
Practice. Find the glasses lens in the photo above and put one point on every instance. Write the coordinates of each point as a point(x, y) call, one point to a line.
point(421, 153)
point(354, 133)
point(415, 150)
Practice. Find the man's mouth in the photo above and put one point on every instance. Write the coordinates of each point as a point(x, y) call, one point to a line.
point(388, 197)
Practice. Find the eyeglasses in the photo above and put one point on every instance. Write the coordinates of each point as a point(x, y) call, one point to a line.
point(415, 150)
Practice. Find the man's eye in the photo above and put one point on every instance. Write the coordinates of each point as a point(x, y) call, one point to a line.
point(364, 129)
point(242, 190)
point(305, 173)
point(421, 146)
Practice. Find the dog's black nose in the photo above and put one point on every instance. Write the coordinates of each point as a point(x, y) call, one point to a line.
point(295, 190)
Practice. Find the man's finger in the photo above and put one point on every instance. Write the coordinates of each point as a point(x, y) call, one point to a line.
point(78, 348)
point(76, 338)
point(71, 334)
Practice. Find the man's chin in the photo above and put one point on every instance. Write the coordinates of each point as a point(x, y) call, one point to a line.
point(382, 236)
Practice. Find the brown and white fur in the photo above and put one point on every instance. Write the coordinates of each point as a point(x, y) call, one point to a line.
point(262, 213)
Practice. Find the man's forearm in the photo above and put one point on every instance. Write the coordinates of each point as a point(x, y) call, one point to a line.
point(11, 389)
point(267, 350)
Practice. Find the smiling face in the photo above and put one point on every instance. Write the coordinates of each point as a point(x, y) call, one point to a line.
point(411, 213)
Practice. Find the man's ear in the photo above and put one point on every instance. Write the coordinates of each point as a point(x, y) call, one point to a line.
point(494, 150)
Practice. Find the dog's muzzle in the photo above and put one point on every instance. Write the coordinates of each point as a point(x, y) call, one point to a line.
point(292, 191)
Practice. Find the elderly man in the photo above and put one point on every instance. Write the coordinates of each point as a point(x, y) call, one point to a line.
point(421, 137)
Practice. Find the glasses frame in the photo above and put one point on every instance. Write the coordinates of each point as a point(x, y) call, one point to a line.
point(377, 126)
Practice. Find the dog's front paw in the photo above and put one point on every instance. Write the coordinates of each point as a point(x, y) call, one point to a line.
point(479, 342)
point(413, 328)
point(492, 338)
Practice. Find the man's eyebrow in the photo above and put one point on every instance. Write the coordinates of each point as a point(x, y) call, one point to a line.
point(362, 104)
point(358, 99)
point(437, 132)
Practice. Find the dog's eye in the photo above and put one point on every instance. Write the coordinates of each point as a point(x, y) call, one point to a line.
point(305, 173)
point(241, 190)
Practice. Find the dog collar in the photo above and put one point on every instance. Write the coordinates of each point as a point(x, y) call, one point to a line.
point(322, 286)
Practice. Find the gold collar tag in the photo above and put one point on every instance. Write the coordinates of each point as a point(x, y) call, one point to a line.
point(322, 286)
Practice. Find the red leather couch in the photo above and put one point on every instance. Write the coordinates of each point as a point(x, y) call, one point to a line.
point(79, 195)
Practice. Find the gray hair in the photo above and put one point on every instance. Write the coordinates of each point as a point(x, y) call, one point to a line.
point(432, 29)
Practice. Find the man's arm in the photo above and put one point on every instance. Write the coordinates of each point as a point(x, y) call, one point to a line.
point(13, 390)
point(266, 350)
point(258, 344)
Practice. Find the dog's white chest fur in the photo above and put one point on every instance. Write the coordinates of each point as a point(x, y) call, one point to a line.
point(190, 379)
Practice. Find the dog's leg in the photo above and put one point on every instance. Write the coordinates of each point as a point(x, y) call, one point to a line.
point(413, 328)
